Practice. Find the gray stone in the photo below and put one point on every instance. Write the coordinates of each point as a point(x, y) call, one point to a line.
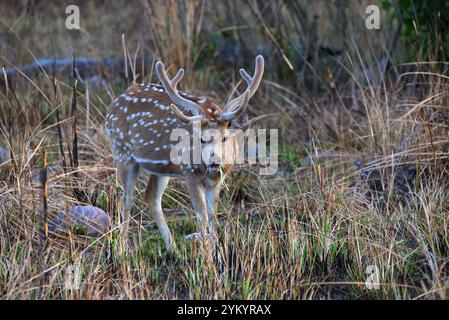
point(4, 157)
point(37, 173)
point(92, 220)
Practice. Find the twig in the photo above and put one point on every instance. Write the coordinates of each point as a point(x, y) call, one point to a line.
point(75, 159)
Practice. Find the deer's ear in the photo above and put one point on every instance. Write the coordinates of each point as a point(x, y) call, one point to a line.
point(240, 122)
point(244, 118)
point(244, 123)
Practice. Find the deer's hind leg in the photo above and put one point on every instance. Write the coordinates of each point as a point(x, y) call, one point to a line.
point(153, 196)
point(128, 174)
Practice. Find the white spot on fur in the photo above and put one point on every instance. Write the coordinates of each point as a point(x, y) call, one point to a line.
point(151, 161)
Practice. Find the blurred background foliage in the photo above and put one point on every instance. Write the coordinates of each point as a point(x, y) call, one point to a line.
point(424, 26)
point(306, 43)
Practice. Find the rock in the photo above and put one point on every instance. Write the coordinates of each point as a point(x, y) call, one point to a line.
point(90, 220)
point(36, 173)
point(4, 157)
point(97, 83)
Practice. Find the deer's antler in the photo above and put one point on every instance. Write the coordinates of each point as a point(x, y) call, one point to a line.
point(172, 91)
point(237, 106)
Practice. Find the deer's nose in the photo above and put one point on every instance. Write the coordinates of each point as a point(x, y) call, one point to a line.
point(214, 157)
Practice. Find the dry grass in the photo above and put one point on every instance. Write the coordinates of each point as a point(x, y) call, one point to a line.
point(363, 176)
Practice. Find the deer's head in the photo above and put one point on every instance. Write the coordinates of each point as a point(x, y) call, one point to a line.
point(218, 145)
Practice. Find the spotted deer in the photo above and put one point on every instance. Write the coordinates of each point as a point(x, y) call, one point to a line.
point(139, 124)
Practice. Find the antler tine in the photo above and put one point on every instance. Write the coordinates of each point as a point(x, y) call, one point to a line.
point(254, 81)
point(172, 91)
point(232, 107)
point(246, 76)
point(185, 118)
point(179, 75)
point(233, 114)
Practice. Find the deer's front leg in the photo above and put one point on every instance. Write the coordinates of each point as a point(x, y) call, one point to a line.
point(196, 191)
point(212, 192)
